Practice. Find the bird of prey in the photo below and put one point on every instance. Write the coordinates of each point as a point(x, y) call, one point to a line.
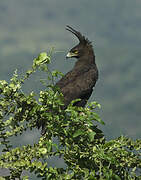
point(80, 81)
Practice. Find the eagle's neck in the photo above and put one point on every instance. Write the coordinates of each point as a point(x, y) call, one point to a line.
point(88, 60)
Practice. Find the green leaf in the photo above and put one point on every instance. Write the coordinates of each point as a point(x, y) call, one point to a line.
point(96, 116)
point(41, 59)
point(25, 178)
point(78, 133)
point(43, 150)
point(91, 135)
point(2, 178)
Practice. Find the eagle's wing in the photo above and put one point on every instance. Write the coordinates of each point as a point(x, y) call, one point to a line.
point(78, 84)
point(68, 78)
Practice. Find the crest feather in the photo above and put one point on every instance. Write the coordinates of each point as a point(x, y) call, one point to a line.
point(80, 37)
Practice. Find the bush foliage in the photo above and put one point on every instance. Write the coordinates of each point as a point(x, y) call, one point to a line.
point(82, 145)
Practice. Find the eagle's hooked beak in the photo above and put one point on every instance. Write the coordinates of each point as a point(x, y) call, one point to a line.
point(70, 54)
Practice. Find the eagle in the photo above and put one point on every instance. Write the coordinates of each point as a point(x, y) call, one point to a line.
point(80, 81)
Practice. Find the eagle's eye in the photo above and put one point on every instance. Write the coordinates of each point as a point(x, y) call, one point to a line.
point(75, 52)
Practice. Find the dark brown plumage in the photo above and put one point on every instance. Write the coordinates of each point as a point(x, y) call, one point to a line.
point(80, 81)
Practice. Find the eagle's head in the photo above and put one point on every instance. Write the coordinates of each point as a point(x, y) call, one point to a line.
point(84, 47)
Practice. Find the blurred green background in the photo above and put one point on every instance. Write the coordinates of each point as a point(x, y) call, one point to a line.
point(30, 27)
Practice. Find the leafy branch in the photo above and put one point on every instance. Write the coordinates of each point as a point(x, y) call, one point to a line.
point(83, 146)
